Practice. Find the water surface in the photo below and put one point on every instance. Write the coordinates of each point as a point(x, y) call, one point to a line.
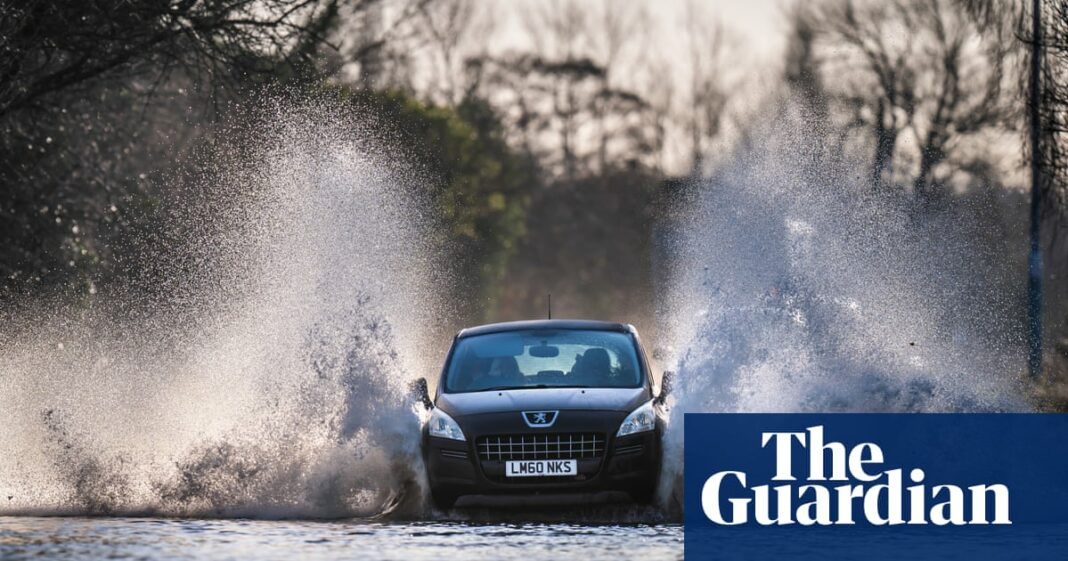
point(163, 539)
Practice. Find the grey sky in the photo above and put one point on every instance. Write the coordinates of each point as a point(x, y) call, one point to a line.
point(758, 24)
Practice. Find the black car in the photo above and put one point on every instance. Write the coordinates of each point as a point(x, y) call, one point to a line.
point(543, 412)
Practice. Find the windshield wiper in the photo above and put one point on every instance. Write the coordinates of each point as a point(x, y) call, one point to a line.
point(533, 387)
point(500, 388)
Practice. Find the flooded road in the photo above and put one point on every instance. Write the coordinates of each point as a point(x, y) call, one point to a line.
point(163, 539)
point(272, 380)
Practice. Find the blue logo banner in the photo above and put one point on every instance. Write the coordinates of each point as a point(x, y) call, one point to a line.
point(876, 486)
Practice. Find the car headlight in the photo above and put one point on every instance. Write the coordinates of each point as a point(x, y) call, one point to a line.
point(442, 425)
point(641, 419)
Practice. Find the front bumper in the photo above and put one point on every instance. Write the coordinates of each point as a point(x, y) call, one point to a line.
point(627, 468)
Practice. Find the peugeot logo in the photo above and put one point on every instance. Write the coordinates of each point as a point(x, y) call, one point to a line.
point(539, 419)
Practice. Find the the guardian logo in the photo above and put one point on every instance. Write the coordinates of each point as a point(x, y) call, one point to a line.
point(843, 486)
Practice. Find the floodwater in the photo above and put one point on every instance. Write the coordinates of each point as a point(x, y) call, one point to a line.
point(165, 539)
point(261, 368)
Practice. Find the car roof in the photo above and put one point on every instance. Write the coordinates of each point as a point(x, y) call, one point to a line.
point(592, 325)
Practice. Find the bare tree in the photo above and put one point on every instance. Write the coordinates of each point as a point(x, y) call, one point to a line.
point(558, 30)
point(802, 72)
point(1051, 185)
point(706, 50)
point(376, 41)
point(560, 99)
point(549, 103)
point(927, 69)
point(1054, 109)
point(617, 26)
point(661, 96)
point(49, 47)
point(448, 25)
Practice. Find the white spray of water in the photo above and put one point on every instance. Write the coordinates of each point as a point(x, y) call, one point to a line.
point(267, 375)
point(800, 288)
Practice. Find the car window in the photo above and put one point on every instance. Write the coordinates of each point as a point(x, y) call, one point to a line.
point(544, 358)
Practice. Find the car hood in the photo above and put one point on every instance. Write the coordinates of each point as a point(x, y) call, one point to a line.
point(534, 399)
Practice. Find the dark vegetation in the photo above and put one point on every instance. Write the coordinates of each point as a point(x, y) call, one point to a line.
point(556, 160)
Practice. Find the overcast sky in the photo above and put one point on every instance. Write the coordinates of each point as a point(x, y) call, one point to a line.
point(757, 24)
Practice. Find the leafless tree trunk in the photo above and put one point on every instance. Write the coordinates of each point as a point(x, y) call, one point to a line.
point(619, 24)
point(1054, 113)
point(558, 30)
point(448, 25)
point(927, 68)
point(708, 98)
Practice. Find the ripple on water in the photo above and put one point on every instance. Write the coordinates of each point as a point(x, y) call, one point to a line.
point(163, 539)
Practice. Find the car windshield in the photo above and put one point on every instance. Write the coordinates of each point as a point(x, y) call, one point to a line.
point(544, 359)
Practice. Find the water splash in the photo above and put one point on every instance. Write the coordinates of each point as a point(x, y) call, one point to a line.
point(257, 362)
point(800, 288)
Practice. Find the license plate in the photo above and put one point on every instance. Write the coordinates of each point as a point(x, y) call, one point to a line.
point(540, 468)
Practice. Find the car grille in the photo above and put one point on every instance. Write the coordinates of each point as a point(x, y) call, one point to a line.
point(559, 446)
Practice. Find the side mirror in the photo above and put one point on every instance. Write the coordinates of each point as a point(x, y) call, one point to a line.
point(666, 382)
point(421, 393)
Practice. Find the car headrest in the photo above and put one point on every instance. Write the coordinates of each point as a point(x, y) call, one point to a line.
point(508, 365)
point(596, 360)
